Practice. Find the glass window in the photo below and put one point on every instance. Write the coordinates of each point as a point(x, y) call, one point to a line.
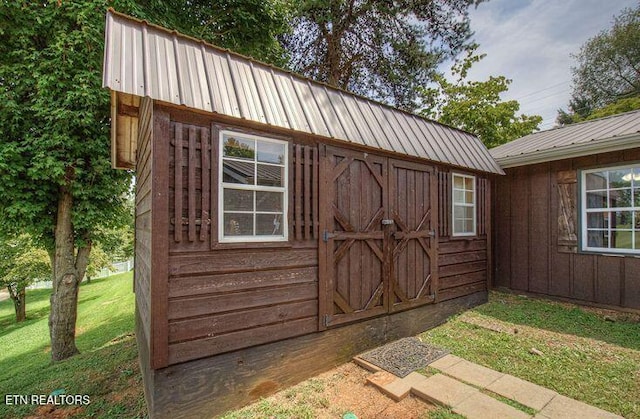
point(253, 188)
point(464, 205)
point(611, 209)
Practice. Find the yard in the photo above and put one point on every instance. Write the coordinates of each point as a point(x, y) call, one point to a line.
point(583, 352)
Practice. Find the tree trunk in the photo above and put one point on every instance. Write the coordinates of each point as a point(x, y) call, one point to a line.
point(18, 296)
point(68, 270)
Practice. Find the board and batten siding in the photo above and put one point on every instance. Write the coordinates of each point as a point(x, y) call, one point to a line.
point(536, 229)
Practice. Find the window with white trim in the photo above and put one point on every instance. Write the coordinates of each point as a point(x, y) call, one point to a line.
point(252, 198)
point(610, 203)
point(464, 205)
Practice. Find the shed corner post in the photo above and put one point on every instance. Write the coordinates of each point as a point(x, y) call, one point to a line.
point(160, 236)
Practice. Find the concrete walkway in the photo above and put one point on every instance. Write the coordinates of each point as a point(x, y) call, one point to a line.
point(466, 388)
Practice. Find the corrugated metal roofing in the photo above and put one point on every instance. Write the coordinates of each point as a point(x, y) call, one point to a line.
point(595, 135)
point(147, 60)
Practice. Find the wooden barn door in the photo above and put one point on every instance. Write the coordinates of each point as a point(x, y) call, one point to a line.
point(413, 200)
point(354, 269)
point(377, 250)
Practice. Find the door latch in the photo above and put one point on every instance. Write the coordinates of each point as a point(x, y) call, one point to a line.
point(387, 222)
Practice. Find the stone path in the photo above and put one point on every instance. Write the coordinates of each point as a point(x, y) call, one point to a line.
point(463, 386)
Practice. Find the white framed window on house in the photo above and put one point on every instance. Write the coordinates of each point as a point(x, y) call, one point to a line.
point(463, 205)
point(252, 194)
point(610, 209)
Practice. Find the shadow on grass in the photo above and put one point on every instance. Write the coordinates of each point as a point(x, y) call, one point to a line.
point(563, 318)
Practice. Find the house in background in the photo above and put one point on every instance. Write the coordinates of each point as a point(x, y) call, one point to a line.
point(282, 225)
point(567, 213)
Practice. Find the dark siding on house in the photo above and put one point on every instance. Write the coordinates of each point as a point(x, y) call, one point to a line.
point(536, 236)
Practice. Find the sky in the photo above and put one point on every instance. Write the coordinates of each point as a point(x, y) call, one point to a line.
point(531, 42)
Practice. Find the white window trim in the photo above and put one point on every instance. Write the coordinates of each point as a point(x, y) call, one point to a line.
point(584, 211)
point(473, 204)
point(221, 186)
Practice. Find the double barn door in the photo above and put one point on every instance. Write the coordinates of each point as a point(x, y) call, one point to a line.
point(378, 246)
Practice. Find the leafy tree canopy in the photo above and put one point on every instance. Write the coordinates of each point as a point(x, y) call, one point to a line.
point(380, 49)
point(56, 179)
point(475, 106)
point(607, 69)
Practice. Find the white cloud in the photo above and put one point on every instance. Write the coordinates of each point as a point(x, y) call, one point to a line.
point(531, 42)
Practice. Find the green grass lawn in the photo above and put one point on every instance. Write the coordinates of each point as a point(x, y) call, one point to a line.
point(106, 370)
point(588, 354)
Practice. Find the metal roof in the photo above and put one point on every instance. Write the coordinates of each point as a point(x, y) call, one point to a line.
point(617, 132)
point(146, 60)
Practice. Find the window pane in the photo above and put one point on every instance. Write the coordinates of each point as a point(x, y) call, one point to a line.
point(271, 152)
point(269, 201)
point(458, 212)
point(620, 178)
point(235, 200)
point(270, 175)
point(459, 226)
point(458, 197)
point(597, 238)
point(621, 219)
point(468, 212)
point(468, 226)
point(597, 180)
point(238, 172)
point(239, 148)
point(238, 224)
point(620, 198)
point(469, 197)
point(458, 182)
point(621, 239)
point(636, 196)
point(468, 184)
point(597, 199)
point(598, 220)
point(637, 234)
point(269, 224)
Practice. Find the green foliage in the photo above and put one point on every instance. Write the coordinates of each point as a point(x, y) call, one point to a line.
point(607, 70)
point(55, 121)
point(249, 27)
point(380, 49)
point(475, 106)
point(615, 108)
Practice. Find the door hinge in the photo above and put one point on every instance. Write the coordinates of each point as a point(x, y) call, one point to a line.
point(327, 320)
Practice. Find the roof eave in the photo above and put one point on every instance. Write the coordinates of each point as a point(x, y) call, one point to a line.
point(571, 151)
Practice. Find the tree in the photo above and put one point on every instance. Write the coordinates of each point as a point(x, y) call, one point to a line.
point(21, 263)
point(381, 49)
point(56, 180)
point(608, 68)
point(475, 106)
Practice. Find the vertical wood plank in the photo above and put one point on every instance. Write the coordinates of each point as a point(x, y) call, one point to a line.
point(177, 142)
point(502, 230)
point(214, 182)
point(315, 194)
point(519, 222)
point(488, 204)
point(206, 187)
point(192, 183)
point(160, 244)
point(539, 240)
point(307, 223)
point(298, 192)
point(324, 196)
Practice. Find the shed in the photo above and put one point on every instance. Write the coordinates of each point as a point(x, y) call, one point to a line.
point(567, 213)
point(282, 225)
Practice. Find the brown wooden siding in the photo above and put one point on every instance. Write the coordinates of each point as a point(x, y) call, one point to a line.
point(142, 269)
point(218, 297)
point(536, 225)
point(463, 263)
